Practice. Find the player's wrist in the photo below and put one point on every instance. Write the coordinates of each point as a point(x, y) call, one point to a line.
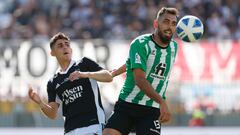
point(161, 101)
point(113, 72)
point(88, 74)
point(84, 74)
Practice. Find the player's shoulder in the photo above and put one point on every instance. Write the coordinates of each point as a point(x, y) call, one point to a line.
point(84, 60)
point(144, 36)
point(142, 39)
point(173, 43)
point(51, 80)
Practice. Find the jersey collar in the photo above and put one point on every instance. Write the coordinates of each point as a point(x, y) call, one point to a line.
point(59, 70)
point(158, 44)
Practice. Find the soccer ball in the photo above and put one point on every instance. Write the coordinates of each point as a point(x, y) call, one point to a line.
point(189, 28)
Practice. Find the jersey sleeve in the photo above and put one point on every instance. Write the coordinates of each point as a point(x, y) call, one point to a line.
point(51, 92)
point(91, 65)
point(138, 55)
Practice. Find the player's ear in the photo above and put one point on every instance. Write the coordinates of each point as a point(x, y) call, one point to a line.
point(155, 24)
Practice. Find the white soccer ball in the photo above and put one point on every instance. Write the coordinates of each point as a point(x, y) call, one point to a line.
point(189, 28)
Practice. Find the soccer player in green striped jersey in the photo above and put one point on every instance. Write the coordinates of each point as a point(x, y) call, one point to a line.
point(141, 102)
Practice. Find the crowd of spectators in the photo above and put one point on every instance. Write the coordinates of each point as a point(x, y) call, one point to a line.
point(110, 19)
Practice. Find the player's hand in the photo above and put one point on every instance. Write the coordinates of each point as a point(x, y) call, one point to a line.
point(77, 74)
point(34, 96)
point(113, 72)
point(165, 115)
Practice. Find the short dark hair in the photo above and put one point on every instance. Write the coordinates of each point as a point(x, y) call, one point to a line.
point(57, 36)
point(169, 10)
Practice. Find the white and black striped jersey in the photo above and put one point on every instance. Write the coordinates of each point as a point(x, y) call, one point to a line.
point(81, 102)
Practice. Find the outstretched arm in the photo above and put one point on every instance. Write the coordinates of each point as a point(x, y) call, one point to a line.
point(50, 109)
point(101, 76)
point(119, 71)
point(146, 87)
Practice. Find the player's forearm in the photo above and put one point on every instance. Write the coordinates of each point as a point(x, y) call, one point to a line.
point(147, 88)
point(102, 76)
point(48, 110)
point(119, 71)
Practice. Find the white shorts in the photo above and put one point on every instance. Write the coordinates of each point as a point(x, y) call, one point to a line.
point(90, 130)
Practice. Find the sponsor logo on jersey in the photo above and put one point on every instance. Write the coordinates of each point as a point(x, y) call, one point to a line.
point(159, 71)
point(153, 52)
point(157, 76)
point(137, 58)
point(57, 86)
point(70, 95)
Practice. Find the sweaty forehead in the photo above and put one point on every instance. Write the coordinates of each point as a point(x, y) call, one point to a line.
point(61, 41)
point(169, 16)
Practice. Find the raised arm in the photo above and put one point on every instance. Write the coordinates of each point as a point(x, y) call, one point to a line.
point(101, 76)
point(146, 87)
point(50, 109)
point(119, 71)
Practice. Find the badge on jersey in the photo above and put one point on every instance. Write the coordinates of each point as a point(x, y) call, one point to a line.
point(137, 58)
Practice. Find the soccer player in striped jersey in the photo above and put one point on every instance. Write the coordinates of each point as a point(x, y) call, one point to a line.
point(141, 102)
point(75, 87)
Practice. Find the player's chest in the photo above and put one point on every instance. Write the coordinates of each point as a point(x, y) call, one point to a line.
point(158, 56)
point(65, 88)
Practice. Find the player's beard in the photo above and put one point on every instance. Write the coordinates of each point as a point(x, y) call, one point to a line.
point(164, 39)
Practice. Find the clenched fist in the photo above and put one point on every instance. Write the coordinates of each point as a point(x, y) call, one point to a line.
point(77, 74)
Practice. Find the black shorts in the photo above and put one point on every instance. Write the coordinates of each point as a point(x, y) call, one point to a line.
point(128, 115)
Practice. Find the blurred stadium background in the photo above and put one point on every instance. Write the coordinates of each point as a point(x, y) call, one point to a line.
point(204, 91)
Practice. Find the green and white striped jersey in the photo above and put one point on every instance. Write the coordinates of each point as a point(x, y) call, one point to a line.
point(155, 61)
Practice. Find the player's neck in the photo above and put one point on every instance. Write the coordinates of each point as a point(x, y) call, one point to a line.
point(158, 41)
point(64, 64)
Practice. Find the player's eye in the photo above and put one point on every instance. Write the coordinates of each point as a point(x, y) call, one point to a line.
point(59, 45)
point(67, 44)
point(174, 24)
